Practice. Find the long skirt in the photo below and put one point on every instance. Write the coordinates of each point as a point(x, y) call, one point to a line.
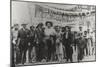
point(89, 46)
point(59, 51)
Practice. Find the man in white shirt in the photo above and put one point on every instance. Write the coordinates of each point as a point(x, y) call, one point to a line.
point(49, 40)
point(80, 30)
point(89, 41)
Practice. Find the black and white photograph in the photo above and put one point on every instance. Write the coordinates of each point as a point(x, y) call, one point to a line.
point(52, 33)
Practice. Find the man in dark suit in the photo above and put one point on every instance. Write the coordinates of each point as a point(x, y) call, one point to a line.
point(32, 36)
point(40, 48)
point(67, 41)
point(23, 35)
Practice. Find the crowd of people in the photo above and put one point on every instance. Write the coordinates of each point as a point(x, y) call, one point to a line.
point(47, 43)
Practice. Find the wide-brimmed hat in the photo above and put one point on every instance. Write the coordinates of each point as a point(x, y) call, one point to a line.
point(40, 24)
point(49, 22)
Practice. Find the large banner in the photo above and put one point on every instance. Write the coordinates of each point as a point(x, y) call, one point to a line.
point(62, 15)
